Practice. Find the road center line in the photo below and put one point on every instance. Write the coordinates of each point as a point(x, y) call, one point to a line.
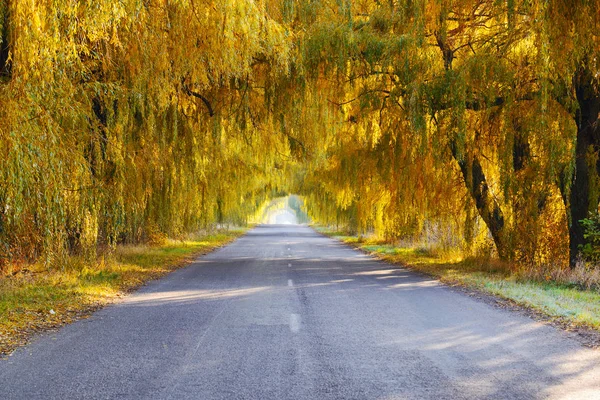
point(290, 283)
point(289, 264)
point(294, 322)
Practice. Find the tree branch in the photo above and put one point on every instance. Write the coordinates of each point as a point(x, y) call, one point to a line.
point(190, 92)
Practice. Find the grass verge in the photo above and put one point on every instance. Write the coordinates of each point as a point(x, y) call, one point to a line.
point(36, 299)
point(565, 304)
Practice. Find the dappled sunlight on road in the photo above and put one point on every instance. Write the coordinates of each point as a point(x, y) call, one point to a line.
point(418, 315)
point(505, 351)
point(378, 272)
point(188, 296)
point(284, 307)
point(415, 285)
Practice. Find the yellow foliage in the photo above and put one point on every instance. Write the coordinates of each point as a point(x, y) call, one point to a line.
point(122, 121)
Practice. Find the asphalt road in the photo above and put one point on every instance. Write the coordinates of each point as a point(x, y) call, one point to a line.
point(284, 313)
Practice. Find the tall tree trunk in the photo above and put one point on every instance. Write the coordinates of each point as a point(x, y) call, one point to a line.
point(5, 65)
point(486, 204)
point(584, 195)
point(473, 175)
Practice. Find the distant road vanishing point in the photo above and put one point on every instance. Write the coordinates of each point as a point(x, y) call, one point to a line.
point(285, 313)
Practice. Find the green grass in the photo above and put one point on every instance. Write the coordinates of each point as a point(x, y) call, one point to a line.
point(562, 301)
point(35, 298)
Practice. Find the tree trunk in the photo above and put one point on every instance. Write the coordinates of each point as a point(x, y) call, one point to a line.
point(473, 175)
point(584, 195)
point(5, 65)
point(486, 205)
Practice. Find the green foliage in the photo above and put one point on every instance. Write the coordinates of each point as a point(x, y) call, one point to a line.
point(591, 250)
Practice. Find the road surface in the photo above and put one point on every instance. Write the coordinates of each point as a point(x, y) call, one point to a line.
point(285, 313)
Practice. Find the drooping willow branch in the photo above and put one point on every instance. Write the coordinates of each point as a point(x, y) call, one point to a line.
point(190, 92)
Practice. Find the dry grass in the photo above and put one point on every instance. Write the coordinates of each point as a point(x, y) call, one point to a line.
point(584, 276)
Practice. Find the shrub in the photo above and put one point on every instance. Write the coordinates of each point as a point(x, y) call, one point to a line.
point(591, 250)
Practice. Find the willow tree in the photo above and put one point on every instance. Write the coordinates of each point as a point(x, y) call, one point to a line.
point(122, 120)
point(431, 92)
point(571, 45)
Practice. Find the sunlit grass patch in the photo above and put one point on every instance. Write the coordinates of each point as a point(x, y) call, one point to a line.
point(568, 302)
point(37, 298)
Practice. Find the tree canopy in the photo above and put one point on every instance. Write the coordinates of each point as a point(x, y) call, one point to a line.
point(474, 122)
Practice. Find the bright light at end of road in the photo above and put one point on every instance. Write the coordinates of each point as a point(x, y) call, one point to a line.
point(282, 217)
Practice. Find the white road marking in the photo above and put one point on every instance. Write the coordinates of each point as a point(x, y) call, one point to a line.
point(289, 249)
point(294, 322)
point(290, 283)
point(289, 264)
